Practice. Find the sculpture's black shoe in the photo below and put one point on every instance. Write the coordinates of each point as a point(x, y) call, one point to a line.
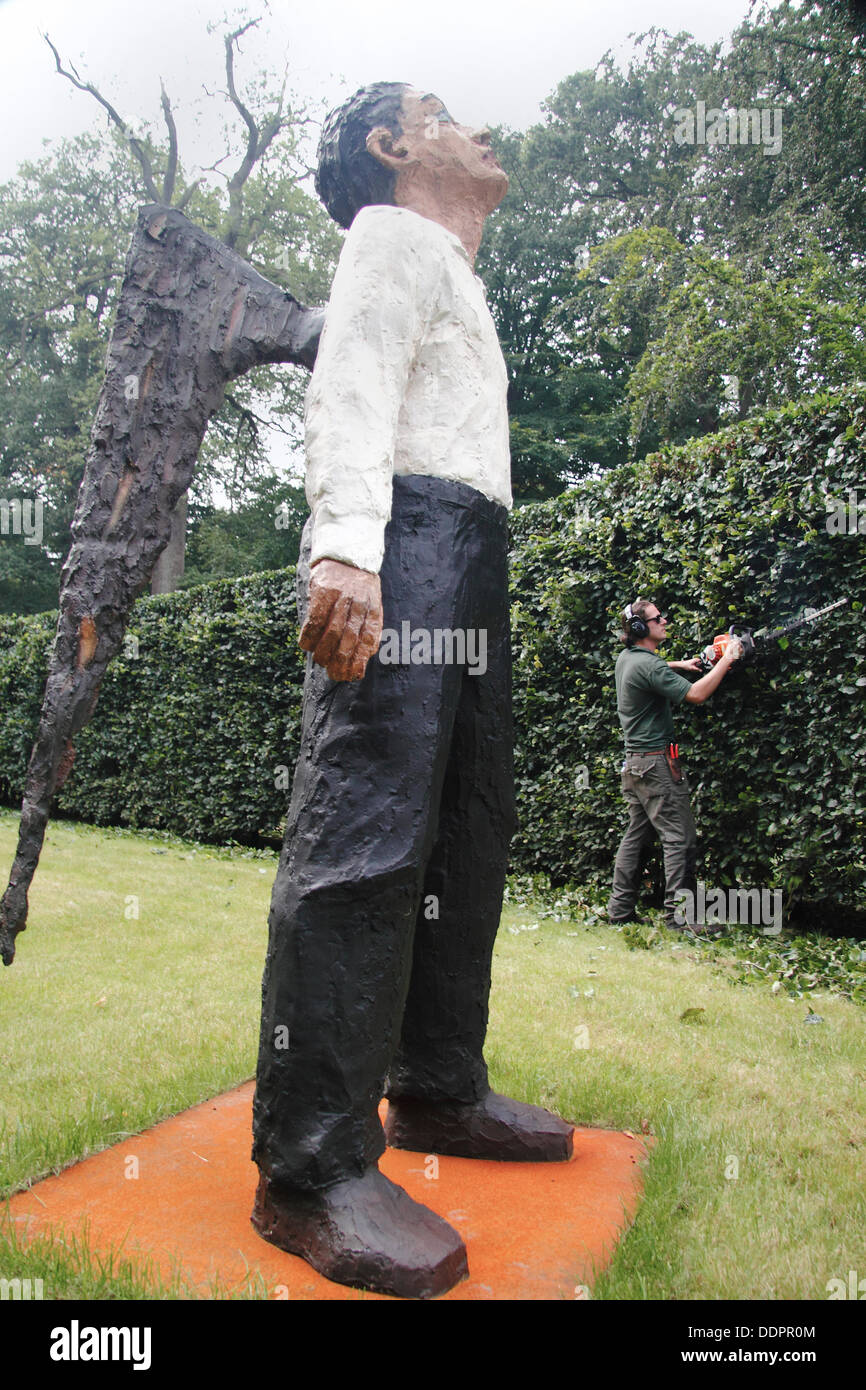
point(366, 1232)
point(494, 1127)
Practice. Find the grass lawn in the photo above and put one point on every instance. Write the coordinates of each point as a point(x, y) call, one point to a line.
point(136, 990)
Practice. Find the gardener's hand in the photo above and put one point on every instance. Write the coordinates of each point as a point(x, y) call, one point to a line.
point(733, 651)
point(344, 619)
point(693, 663)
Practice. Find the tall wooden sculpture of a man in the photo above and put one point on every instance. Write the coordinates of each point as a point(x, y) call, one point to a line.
point(389, 889)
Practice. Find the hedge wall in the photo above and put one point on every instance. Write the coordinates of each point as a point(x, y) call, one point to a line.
point(728, 527)
point(197, 720)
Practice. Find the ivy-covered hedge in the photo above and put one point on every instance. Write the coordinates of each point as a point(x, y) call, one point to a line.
point(727, 527)
point(199, 718)
point(198, 721)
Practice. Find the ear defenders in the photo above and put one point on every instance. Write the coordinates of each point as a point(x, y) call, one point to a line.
point(635, 625)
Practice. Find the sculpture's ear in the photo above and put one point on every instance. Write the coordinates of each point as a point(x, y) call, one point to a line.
point(389, 149)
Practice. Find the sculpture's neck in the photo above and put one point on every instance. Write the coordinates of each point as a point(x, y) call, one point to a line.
point(455, 212)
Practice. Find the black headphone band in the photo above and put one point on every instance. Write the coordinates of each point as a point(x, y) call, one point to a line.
point(636, 626)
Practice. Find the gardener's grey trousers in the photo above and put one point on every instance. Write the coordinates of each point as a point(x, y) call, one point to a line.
point(657, 806)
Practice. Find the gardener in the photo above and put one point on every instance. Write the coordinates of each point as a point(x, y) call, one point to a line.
point(653, 782)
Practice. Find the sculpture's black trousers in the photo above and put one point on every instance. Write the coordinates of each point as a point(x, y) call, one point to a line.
point(389, 887)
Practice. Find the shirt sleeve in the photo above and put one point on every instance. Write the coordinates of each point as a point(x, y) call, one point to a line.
point(376, 318)
point(666, 682)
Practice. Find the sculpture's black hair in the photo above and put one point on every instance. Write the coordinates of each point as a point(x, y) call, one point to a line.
point(348, 177)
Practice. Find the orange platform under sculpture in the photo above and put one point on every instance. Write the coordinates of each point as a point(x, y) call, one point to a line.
point(532, 1230)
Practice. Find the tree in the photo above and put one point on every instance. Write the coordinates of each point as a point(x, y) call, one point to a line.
point(65, 224)
point(711, 337)
point(192, 316)
point(599, 165)
point(262, 534)
point(605, 162)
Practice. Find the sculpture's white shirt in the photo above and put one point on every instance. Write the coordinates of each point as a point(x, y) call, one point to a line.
point(409, 378)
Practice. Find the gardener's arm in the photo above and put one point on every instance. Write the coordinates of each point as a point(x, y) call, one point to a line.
point(703, 689)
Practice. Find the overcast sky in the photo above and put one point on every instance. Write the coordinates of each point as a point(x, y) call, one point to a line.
point(491, 61)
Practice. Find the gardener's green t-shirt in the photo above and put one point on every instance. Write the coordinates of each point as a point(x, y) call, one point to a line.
point(646, 687)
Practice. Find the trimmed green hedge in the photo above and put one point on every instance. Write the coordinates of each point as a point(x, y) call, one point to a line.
point(194, 730)
point(198, 721)
point(728, 527)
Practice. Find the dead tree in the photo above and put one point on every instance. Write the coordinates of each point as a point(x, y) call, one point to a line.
point(259, 135)
point(192, 316)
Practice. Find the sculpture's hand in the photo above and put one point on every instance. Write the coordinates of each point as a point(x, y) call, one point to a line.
point(344, 620)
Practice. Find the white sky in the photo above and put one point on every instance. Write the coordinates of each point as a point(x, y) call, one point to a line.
point(491, 61)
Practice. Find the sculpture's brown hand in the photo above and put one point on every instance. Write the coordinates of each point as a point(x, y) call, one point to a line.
point(344, 620)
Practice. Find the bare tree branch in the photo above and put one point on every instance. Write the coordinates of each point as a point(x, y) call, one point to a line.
point(242, 173)
point(215, 167)
point(283, 91)
point(230, 41)
point(247, 416)
point(182, 203)
point(191, 188)
point(258, 139)
point(171, 166)
point(134, 143)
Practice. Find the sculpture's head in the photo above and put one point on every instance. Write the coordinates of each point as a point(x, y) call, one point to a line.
point(389, 140)
point(349, 177)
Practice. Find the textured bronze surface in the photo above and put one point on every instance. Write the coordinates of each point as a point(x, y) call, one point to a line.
point(192, 315)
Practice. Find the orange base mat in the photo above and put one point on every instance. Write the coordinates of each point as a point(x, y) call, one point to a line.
point(532, 1230)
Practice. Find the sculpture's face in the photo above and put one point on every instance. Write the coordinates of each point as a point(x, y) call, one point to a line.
point(455, 159)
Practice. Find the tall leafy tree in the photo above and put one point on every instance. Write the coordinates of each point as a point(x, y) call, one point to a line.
point(717, 338)
point(606, 163)
point(600, 164)
point(65, 224)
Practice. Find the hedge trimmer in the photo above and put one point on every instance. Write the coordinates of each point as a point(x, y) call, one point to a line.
point(755, 644)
